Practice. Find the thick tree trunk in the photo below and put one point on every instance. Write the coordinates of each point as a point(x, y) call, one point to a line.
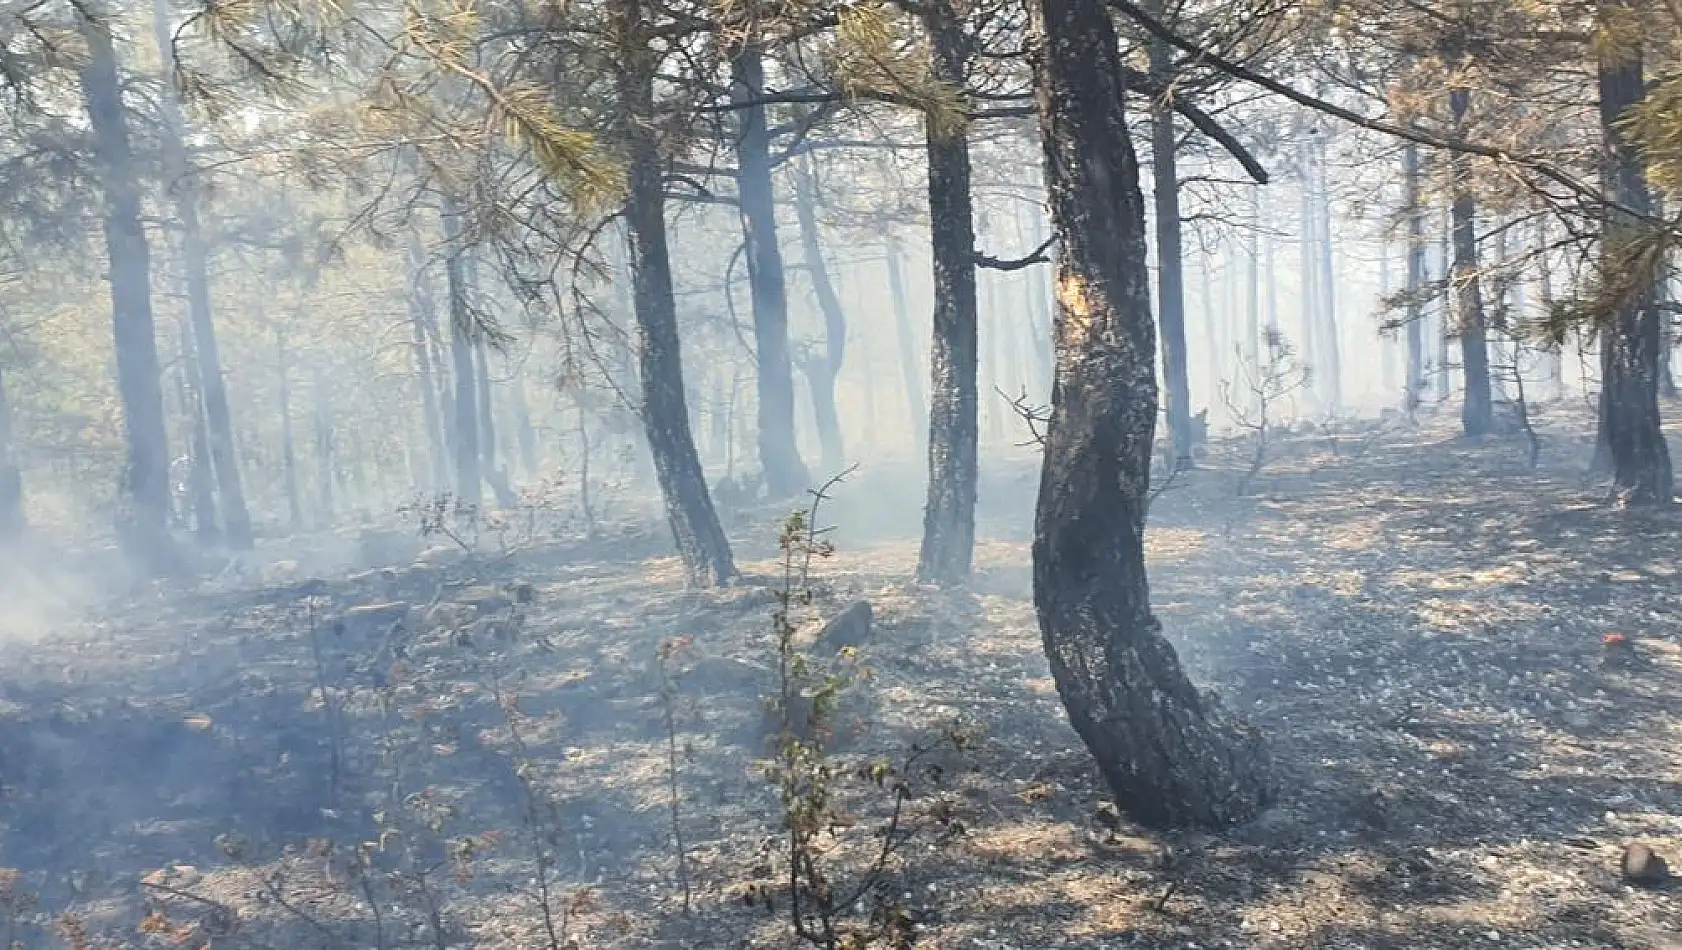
point(1170, 754)
point(1415, 213)
point(1170, 257)
point(12, 520)
point(195, 258)
point(779, 454)
point(949, 516)
point(464, 401)
point(145, 531)
point(1641, 468)
point(421, 315)
point(1476, 413)
point(910, 368)
point(288, 444)
point(689, 509)
point(821, 371)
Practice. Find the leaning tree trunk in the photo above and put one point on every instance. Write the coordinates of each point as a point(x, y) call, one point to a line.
point(822, 371)
point(1170, 754)
point(146, 478)
point(906, 338)
point(689, 509)
point(779, 454)
point(1414, 394)
point(12, 521)
point(1170, 260)
point(1477, 412)
point(1641, 469)
point(949, 515)
point(195, 258)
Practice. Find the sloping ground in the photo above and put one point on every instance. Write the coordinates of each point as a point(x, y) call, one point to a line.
point(1417, 623)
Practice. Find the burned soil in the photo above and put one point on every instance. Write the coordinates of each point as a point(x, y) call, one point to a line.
point(468, 748)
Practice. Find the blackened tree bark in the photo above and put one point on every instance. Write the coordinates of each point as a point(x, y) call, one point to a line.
point(915, 407)
point(195, 259)
point(1414, 394)
point(464, 402)
point(12, 520)
point(1641, 468)
point(689, 509)
point(949, 515)
point(1477, 411)
point(779, 454)
point(821, 369)
point(1169, 753)
point(1170, 257)
point(145, 532)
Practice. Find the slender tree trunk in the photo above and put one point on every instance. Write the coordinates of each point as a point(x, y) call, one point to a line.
point(909, 366)
point(1476, 414)
point(12, 520)
point(1169, 753)
point(326, 466)
point(949, 516)
point(1641, 468)
point(1170, 257)
point(1039, 314)
point(421, 315)
point(779, 454)
point(496, 475)
point(195, 258)
point(469, 478)
point(700, 539)
point(201, 480)
point(990, 334)
point(1445, 378)
point(821, 372)
point(1252, 282)
point(288, 445)
point(1415, 393)
point(145, 532)
point(1328, 282)
point(523, 433)
point(1309, 264)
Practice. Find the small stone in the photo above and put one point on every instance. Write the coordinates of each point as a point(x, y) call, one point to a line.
point(1642, 866)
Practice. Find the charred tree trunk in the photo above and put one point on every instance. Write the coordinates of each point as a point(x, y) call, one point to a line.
point(1641, 468)
point(1170, 754)
point(524, 436)
point(145, 532)
point(949, 515)
point(1477, 412)
point(421, 315)
point(195, 257)
point(1170, 258)
point(12, 520)
point(288, 444)
point(1415, 391)
point(689, 509)
point(465, 400)
point(905, 335)
point(779, 454)
point(821, 371)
